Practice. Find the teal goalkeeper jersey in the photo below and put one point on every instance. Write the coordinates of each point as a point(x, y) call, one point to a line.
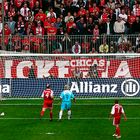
point(66, 96)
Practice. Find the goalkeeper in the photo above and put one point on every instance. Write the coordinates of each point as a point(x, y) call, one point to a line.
point(66, 97)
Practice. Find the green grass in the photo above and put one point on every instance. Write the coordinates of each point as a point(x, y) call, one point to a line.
point(90, 121)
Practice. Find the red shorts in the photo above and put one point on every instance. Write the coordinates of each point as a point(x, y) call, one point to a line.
point(116, 120)
point(47, 105)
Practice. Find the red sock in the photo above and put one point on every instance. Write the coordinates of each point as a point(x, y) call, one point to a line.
point(118, 131)
point(51, 114)
point(42, 113)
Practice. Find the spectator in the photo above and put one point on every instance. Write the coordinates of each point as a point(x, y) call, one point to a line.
point(136, 9)
point(40, 16)
point(82, 11)
point(119, 26)
point(90, 26)
point(68, 17)
point(69, 25)
point(112, 16)
point(31, 72)
point(58, 23)
point(104, 48)
point(123, 15)
point(16, 43)
point(104, 16)
point(94, 8)
point(108, 27)
point(36, 7)
point(112, 47)
point(130, 50)
point(73, 30)
point(51, 13)
point(76, 48)
point(117, 10)
point(11, 25)
point(136, 26)
point(111, 4)
point(96, 32)
point(39, 31)
point(24, 11)
point(122, 39)
point(77, 73)
point(66, 43)
point(93, 72)
point(120, 50)
point(131, 20)
point(30, 17)
point(20, 26)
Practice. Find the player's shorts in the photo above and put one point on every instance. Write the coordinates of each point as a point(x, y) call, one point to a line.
point(116, 120)
point(65, 105)
point(47, 105)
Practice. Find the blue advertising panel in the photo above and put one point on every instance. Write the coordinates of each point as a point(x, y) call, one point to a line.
point(87, 87)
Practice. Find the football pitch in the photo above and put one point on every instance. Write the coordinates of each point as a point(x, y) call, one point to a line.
point(89, 121)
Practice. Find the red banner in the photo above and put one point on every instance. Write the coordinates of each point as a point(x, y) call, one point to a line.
point(19, 68)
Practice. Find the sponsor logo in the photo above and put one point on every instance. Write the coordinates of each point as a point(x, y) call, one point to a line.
point(4, 88)
point(130, 87)
point(89, 87)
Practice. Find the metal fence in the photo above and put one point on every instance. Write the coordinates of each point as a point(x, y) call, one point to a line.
point(65, 43)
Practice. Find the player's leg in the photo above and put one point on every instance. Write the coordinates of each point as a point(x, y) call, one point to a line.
point(69, 114)
point(51, 114)
point(43, 109)
point(61, 111)
point(118, 128)
point(42, 112)
point(60, 114)
point(69, 111)
point(114, 124)
point(117, 122)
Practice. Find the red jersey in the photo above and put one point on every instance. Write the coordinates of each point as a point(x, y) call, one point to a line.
point(47, 95)
point(131, 19)
point(117, 110)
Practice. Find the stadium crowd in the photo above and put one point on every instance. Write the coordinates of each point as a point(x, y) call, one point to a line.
point(71, 26)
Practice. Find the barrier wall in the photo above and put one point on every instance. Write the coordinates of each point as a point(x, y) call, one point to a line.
point(82, 88)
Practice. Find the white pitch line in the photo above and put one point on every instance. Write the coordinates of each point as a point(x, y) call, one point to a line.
point(86, 118)
point(49, 133)
point(60, 104)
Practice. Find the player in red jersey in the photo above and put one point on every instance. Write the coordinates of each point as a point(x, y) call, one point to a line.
point(116, 112)
point(48, 101)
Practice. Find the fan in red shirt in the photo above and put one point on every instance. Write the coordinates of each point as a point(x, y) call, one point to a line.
point(131, 18)
point(104, 15)
point(48, 101)
point(94, 8)
point(41, 16)
point(116, 112)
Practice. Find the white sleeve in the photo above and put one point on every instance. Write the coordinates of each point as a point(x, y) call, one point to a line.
point(113, 110)
point(122, 110)
point(51, 93)
point(42, 94)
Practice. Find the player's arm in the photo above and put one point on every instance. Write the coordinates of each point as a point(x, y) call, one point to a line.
point(61, 96)
point(124, 115)
point(42, 94)
point(112, 113)
point(52, 96)
point(73, 97)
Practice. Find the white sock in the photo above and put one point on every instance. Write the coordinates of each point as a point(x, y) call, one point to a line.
point(69, 114)
point(60, 114)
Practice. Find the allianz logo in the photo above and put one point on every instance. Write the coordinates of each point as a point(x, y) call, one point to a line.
point(129, 87)
point(5, 88)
